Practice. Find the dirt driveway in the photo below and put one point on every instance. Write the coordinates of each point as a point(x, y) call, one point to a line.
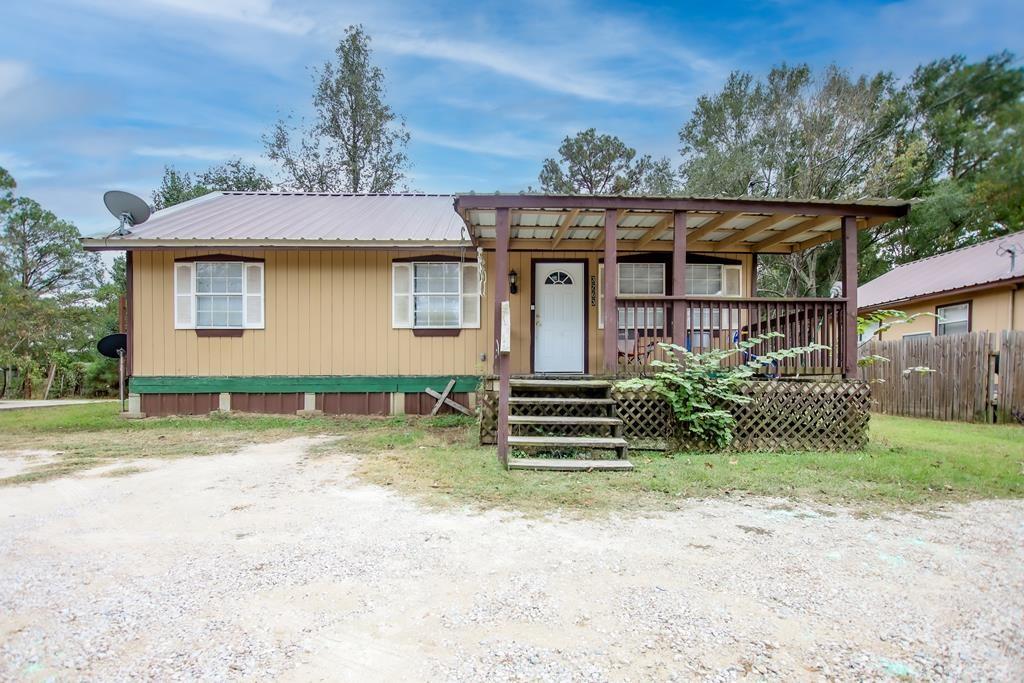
point(274, 564)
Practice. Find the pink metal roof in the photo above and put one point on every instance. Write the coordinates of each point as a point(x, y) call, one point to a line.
point(978, 264)
point(305, 216)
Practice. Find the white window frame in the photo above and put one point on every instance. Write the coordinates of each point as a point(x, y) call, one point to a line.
point(186, 303)
point(916, 335)
point(941, 321)
point(600, 284)
point(403, 304)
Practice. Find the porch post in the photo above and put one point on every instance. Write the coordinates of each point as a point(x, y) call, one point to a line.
point(849, 268)
point(679, 278)
point(611, 292)
point(501, 360)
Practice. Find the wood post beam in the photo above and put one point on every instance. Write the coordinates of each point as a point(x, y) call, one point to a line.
point(837, 234)
point(678, 278)
point(619, 215)
point(798, 229)
point(611, 292)
point(713, 224)
point(501, 360)
point(849, 269)
point(563, 228)
point(655, 231)
point(751, 230)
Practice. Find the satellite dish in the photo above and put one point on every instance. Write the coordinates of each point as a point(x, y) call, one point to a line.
point(127, 208)
point(113, 345)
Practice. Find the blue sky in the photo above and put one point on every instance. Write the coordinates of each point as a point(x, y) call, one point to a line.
point(100, 94)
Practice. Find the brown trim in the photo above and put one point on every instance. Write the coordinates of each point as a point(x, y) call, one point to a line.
point(441, 258)
point(219, 332)
point(586, 306)
point(528, 201)
point(129, 276)
point(227, 258)
point(436, 331)
point(1008, 283)
point(970, 314)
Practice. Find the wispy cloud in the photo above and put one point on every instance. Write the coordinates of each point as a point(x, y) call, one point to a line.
point(499, 144)
point(264, 14)
point(21, 168)
point(198, 152)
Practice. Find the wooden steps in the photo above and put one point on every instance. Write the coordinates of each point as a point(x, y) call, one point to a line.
point(609, 442)
point(559, 384)
point(560, 400)
point(551, 414)
point(559, 420)
point(569, 465)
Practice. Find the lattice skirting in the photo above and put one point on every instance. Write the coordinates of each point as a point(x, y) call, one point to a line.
point(783, 416)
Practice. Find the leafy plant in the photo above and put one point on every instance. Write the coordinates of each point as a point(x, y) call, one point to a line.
point(700, 387)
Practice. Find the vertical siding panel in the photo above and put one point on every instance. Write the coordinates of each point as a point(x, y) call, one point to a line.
point(337, 309)
point(348, 299)
point(394, 336)
point(301, 298)
point(144, 313)
point(292, 299)
point(326, 319)
point(315, 342)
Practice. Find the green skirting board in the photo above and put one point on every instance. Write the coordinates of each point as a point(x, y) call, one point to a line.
point(289, 384)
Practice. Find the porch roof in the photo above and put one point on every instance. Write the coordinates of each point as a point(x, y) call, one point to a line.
point(722, 224)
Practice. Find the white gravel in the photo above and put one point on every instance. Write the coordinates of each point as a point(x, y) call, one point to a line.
point(268, 564)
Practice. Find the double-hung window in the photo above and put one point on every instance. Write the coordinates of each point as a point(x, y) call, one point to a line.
point(218, 295)
point(953, 319)
point(638, 279)
point(435, 294)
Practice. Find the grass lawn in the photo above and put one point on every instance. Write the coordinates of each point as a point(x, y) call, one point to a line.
point(908, 462)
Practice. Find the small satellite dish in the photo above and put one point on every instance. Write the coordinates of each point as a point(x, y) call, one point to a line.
point(127, 208)
point(113, 345)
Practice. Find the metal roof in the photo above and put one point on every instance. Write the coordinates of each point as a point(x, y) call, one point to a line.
point(972, 266)
point(290, 217)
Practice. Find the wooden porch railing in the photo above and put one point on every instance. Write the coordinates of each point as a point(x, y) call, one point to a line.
point(721, 322)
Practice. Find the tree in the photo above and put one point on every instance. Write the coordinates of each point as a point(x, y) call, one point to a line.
point(593, 163)
point(42, 253)
point(356, 143)
point(792, 134)
point(232, 176)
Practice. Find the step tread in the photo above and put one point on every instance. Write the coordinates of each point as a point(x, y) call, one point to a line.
point(569, 465)
point(559, 420)
point(580, 441)
point(559, 383)
point(563, 400)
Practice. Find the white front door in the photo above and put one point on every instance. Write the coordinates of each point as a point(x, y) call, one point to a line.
point(558, 320)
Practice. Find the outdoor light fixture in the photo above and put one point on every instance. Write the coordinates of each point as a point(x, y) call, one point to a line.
point(513, 282)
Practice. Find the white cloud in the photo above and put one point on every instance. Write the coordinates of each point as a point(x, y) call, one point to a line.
point(21, 168)
point(264, 14)
point(199, 152)
point(500, 144)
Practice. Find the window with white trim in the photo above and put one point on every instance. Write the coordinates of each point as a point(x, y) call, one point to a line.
point(218, 295)
point(954, 319)
point(637, 279)
point(435, 295)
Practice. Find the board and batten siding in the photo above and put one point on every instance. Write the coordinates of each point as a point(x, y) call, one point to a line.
point(328, 312)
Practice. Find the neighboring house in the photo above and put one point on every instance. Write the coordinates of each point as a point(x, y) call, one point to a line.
point(360, 303)
point(971, 289)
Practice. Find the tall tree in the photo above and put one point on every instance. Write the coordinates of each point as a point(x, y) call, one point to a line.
point(234, 175)
point(792, 134)
point(356, 143)
point(596, 163)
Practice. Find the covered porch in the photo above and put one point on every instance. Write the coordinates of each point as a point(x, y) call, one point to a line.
point(705, 298)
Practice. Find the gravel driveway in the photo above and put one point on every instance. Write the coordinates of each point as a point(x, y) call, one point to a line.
point(273, 564)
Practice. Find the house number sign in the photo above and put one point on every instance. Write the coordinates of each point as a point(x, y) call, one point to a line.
point(593, 290)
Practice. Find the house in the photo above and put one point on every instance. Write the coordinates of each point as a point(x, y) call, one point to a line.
point(971, 289)
point(286, 302)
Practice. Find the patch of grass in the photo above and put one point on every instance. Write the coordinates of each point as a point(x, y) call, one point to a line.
point(87, 436)
point(909, 462)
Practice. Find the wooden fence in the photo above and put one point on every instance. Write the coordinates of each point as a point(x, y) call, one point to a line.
point(969, 378)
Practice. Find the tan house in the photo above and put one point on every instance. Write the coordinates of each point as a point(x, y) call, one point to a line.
point(972, 289)
point(285, 302)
